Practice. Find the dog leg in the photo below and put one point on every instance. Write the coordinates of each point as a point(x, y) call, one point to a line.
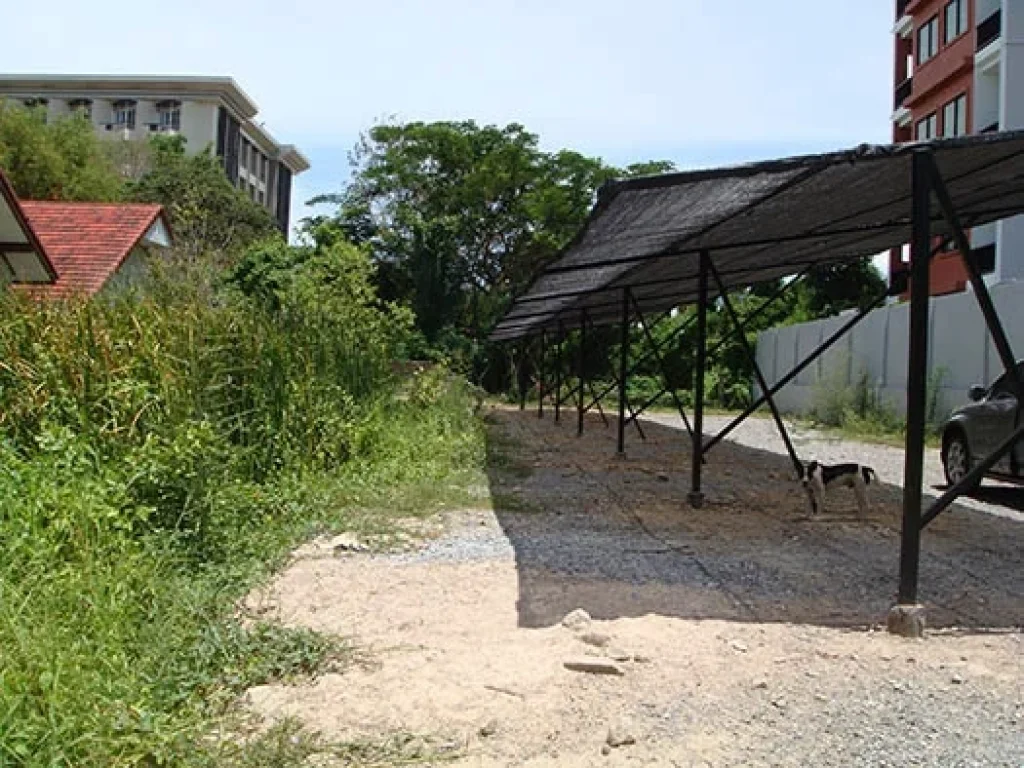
point(860, 490)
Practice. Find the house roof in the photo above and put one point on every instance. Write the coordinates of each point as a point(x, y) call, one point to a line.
point(22, 258)
point(88, 242)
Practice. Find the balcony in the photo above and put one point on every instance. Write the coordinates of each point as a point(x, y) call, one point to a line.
point(985, 258)
point(904, 26)
point(903, 91)
point(989, 30)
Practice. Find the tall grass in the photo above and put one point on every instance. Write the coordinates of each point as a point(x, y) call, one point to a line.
point(157, 454)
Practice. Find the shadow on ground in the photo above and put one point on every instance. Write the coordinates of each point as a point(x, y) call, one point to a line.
point(616, 537)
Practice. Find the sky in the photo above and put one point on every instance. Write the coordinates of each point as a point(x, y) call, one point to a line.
point(698, 82)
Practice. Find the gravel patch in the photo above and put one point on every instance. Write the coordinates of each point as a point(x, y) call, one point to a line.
point(762, 434)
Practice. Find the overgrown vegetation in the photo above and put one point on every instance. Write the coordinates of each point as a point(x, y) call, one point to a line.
point(860, 410)
point(159, 452)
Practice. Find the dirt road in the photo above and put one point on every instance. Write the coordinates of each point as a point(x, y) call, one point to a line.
point(739, 634)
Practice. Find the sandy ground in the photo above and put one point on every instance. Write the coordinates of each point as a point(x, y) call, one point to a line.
point(743, 633)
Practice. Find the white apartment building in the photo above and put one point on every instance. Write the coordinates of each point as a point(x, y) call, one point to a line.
point(999, 104)
point(209, 112)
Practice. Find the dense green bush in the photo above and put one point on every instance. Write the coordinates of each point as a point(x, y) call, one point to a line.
point(159, 451)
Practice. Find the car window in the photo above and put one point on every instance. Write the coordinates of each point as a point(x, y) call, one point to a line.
point(1002, 389)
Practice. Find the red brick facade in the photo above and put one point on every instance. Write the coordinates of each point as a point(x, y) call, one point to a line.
point(934, 84)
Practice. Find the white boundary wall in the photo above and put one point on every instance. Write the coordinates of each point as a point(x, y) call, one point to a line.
point(958, 345)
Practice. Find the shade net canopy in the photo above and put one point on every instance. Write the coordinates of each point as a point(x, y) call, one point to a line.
point(759, 222)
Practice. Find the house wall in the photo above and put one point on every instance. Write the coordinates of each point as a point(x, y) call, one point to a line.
point(132, 271)
point(958, 345)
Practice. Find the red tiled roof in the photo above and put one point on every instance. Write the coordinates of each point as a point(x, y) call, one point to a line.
point(86, 242)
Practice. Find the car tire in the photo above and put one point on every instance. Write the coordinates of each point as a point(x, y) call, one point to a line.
point(956, 458)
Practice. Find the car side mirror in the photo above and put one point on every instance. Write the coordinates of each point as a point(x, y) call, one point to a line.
point(976, 393)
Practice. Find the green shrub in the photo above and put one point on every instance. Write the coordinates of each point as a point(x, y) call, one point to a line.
point(159, 452)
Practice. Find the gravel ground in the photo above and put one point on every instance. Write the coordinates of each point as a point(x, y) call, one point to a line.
point(745, 632)
point(993, 497)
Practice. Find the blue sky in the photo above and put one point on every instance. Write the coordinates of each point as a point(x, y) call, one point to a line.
point(699, 82)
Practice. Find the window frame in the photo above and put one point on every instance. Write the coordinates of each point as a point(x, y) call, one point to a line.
point(932, 27)
point(959, 112)
point(961, 17)
point(931, 119)
point(128, 109)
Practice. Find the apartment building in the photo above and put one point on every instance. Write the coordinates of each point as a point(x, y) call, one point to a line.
point(209, 112)
point(959, 68)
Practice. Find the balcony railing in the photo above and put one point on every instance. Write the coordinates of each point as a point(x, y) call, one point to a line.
point(903, 92)
point(990, 29)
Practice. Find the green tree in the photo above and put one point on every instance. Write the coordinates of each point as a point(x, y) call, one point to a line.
point(207, 213)
point(60, 160)
point(459, 216)
point(831, 288)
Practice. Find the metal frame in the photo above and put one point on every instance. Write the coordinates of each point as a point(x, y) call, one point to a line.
point(926, 182)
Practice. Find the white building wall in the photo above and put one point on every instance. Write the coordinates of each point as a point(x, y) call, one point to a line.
point(1010, 250)
point(199, 125)
point(959, 347)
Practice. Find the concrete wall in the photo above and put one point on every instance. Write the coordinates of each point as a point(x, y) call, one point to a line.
point(959, 346)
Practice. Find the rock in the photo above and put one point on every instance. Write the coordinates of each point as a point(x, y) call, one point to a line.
point(593, 667)
point(619, 737)
point(596, 639)
point(641, 659)
point(906, 621)
point(620, 656)
point(347, 542)
point(956, 680)
point(605, 749)
point(663, 477)
point(761, 685)
point(738, 646)
point(779, 703)
point(489, 729)
point(577, 619)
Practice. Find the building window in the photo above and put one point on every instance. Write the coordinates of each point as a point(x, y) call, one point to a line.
point(82, 107)
point(263, 168)
point(124, 114)
point(928, 40)
point(927, 128)
point(956, 19)
point(954, 117)
point(169, 115)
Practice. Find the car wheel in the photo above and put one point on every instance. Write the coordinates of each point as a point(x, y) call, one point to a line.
point(956, 458)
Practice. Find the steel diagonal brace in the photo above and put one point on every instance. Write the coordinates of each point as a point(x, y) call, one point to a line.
point(741, 335)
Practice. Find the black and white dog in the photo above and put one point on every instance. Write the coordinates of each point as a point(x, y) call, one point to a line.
point(817, 477)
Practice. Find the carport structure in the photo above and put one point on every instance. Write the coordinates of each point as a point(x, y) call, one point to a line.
point(658, 243)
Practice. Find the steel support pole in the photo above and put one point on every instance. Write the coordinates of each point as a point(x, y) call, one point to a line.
point(761, 382)
point(917, 376)
point(560, 338)
point(581, 373)
point(540, 375)
point(696, 496)
point(623, 370)
point(522, 373)
point(661, 365)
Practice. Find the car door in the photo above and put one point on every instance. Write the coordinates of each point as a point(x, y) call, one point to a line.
point(995, 422)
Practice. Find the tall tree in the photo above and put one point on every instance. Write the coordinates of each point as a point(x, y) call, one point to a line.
point(207, 213)
point(459, 216)
point(59, 160)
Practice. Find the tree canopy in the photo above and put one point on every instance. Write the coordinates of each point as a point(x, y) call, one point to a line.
point(459, 216)
point(60, 160)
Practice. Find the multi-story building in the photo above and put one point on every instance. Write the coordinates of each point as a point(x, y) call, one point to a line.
point(209, 112)
point(960, 69)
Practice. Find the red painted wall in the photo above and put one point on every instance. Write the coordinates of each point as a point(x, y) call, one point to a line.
point(938, 81)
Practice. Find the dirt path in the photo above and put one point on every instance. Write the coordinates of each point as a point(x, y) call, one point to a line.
point(744, 633)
